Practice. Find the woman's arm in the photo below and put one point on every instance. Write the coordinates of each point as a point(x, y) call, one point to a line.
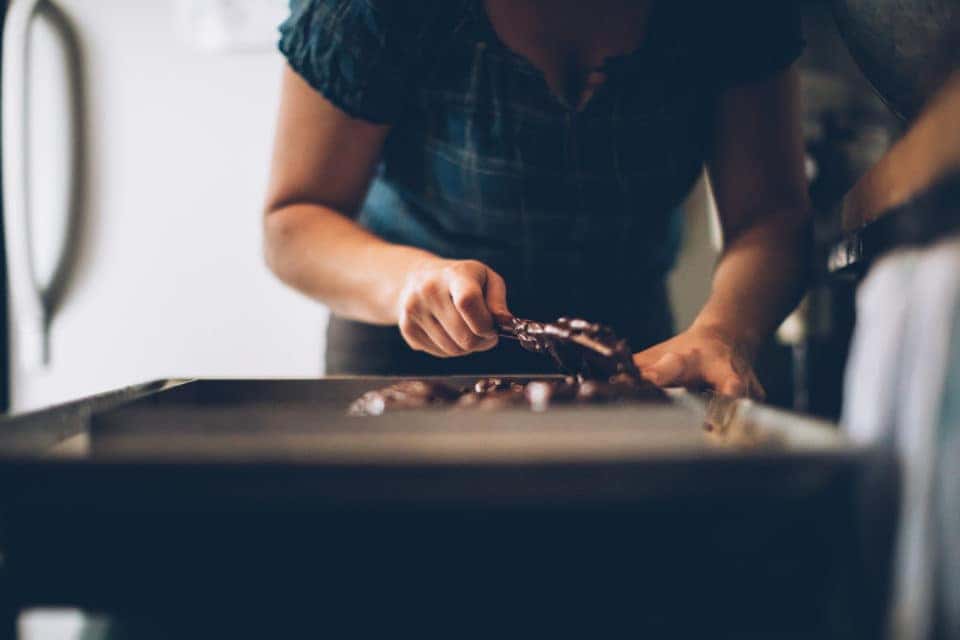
point(322, 166)
point(930, 150)
point(757, 172)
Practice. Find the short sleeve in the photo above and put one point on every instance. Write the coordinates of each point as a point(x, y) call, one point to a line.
point(755, 39)
point(360, 54)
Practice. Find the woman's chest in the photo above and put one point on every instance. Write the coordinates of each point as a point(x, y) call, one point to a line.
point(482, 120)
point(567, 41)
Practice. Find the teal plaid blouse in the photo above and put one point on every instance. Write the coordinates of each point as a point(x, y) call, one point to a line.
point(578, 210)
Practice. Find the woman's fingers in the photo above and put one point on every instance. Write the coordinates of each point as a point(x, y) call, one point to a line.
point(755, 390)
point(495, 289)
point(422, 330)
point(733, 387)
point(738, 387)
point(464, 313)
point(418, 339)
point(432, 326)
point(454, 322)
point(645, 359)
point(452, 305)
point(670, 369)
point(467, 302)
point(734, 379)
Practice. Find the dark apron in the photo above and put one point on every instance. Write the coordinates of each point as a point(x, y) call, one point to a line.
point(357, 348)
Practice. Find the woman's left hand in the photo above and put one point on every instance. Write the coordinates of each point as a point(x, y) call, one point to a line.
point(701, 357)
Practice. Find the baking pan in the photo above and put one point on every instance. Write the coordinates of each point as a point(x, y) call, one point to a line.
point(261, 505)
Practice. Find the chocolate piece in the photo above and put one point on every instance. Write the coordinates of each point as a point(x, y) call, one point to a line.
point(619, 387)
point(540, 394)
point(490, 385)
point(592, 391)
point(587, 349)
point(490, 400)
point(602, 363)
point(408, 394)
point(492, 393)
point(499, 393)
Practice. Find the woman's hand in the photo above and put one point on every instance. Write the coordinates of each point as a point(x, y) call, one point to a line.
point(701, 357)
point(447, 307)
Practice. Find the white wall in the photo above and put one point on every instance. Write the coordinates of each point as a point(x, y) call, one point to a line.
point(170, 280)
point(691, 279)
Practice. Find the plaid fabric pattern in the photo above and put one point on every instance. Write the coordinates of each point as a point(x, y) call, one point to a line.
point(578, 209)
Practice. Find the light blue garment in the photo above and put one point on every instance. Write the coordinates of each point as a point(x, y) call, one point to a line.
point(947, 495)
point(903, 392)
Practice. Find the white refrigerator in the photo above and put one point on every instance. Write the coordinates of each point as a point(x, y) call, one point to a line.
point(136, 145)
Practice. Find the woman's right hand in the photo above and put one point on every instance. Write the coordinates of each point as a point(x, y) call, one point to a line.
point(448, 308)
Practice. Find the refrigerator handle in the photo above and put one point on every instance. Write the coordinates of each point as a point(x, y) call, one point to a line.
point(33, 302)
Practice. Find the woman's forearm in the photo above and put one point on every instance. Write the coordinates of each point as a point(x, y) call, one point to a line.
point(758, 280)
point(929, 150)
point(332, 259)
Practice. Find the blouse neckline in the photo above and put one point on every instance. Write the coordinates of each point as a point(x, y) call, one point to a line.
point(610, 66)
point(489, 33)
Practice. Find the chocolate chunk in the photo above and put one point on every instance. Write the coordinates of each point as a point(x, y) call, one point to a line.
point(586, 349)
point(408, 394)
point(540, 394)
point(617, 388)
point(592, 391)
point(601, 362)
point(489, 385)
point(491, 400)
point(497, 393)
point(493, 393)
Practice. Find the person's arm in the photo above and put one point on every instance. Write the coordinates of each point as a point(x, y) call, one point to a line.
point(757, 173)
point(929, 150)
point(323, 163)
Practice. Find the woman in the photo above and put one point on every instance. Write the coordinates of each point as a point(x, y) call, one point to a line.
point(434, 157)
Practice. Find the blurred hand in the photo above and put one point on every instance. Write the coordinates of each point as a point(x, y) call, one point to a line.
point(701, 358)
point(447, 307)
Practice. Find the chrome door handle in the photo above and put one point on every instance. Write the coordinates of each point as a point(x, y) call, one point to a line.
point(34, 302)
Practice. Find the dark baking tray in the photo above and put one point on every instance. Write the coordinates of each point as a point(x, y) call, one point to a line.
point(199, 500)
point(243, 441)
